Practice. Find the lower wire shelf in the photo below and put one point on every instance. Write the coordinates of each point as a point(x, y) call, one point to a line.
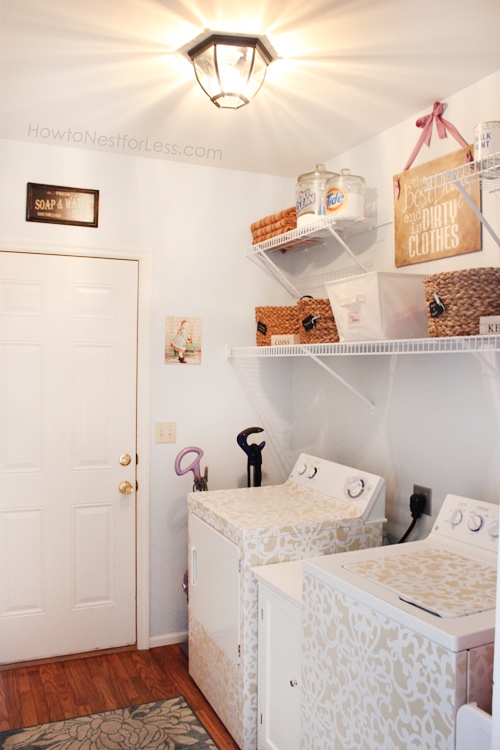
point(478, 346)
point(453, 344)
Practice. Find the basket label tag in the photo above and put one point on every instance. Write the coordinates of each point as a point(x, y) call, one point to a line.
point(262, 328)
point(310, 322)
point(489, 324)
point(436, 307)
point(288, 339)
point(353, 318)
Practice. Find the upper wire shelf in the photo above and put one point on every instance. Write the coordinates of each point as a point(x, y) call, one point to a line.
point(318, 233)
point(486, 170)
point(313, 234)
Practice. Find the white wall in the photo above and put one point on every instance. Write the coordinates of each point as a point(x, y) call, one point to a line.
point(437, 417)
point(195, 221)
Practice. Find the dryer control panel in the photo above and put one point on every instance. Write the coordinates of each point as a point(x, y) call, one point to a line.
point(469, 521)
point(358, 488)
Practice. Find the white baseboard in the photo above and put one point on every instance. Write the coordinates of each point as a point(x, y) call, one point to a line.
point(168, 640)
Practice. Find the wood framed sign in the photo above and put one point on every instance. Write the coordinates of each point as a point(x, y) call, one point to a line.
point(438, 223)
point(62, 205)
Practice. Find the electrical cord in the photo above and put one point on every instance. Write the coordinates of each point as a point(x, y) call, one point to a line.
point(417, 507)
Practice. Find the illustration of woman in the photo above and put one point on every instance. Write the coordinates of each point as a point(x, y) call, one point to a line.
point(180, 342)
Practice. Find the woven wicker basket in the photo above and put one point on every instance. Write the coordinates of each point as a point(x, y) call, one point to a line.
point(324, 330)
point(277, 321)
point(466, 296)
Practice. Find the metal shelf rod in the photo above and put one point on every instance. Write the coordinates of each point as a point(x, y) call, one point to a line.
point(274, 271)
point(346, 247)
point(341, 380)
point(471, 203)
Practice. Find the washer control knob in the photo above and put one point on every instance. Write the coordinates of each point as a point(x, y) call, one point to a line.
point(312, 472)
point(475, 522)
point(301, 469)
point(456, 517)
point(493, 530)
point(355, 488)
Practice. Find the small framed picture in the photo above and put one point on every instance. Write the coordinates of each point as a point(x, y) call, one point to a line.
point(53, 204)
point(182, 340)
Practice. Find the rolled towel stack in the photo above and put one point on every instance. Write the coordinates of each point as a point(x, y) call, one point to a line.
point(271, 226)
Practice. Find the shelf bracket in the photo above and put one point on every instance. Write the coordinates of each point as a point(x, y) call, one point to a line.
point(490, 366)
point(345, 246)
point(274, 271)
point(473, 206)
point(339, 378)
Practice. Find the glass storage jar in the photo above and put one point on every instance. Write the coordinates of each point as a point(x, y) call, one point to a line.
point(345, 196)
point(311, 195)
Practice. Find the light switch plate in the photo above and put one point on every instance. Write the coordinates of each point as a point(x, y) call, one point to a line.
point(165, 432)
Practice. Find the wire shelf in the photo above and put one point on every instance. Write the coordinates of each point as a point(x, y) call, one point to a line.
point(486, 171)
point(451, 345)
point(313, 234)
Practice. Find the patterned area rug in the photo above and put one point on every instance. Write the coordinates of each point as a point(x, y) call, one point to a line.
point(164, 725)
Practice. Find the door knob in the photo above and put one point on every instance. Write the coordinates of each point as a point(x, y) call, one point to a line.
point(125, 487)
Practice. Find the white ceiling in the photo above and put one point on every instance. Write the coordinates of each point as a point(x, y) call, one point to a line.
point(77, 71)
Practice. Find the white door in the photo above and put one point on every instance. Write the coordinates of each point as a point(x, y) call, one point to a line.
point(68, 341)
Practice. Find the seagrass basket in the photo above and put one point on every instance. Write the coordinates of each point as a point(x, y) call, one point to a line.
point(324, 329)
point(466, 296)
point(275, 321)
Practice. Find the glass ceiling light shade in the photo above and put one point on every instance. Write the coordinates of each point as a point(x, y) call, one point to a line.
point(230, 69)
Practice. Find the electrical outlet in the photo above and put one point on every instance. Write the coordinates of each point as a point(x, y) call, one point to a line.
point(419, 490)
point(165, 432)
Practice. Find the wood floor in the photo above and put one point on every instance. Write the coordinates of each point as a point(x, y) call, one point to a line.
point(43, 692)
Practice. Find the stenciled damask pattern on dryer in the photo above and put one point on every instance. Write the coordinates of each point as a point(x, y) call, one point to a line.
point(253, 518)
point(254, 508)
point(368, 682)
point(480, 676)
point(437, 580)
point(210, 667)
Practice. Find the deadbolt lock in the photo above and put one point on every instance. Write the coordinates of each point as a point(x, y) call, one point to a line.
point(125, 459)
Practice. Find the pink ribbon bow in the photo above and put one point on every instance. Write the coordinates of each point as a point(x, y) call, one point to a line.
point(443, 127)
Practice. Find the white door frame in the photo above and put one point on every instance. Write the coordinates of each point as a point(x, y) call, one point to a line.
point(144, 258)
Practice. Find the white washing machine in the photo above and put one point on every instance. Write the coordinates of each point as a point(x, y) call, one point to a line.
point(400, 637)
point(322, 508)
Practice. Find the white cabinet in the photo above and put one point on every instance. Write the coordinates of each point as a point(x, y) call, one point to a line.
point(279, 656)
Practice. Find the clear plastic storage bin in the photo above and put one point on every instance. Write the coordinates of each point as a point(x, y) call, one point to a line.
point(379, 306)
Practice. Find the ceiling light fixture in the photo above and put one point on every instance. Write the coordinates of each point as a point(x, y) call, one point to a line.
point(230, 69)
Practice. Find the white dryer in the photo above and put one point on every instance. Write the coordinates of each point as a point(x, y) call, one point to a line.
point(400, 637)
point(322, 508)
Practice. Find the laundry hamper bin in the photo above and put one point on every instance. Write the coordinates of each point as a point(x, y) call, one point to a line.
point(456, 300)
